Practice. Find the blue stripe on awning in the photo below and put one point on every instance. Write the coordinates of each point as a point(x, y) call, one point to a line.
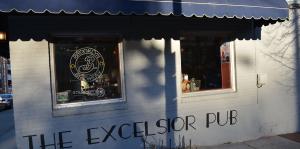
point(257, 9)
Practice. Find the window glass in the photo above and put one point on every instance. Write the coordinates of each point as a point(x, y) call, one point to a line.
point(87, 71)
point(205, 63)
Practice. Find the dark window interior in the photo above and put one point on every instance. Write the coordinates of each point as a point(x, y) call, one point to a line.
point(87, 71)
point(205, 63)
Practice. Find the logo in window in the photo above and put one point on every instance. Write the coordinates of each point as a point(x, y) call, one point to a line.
point(87, 64)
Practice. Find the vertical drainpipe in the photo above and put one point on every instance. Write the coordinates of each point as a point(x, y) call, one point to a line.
point(4, 80)
point(1, 78)
point(294, 6)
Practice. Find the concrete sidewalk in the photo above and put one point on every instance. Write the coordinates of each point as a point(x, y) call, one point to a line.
point(274, 142)
point(6, 121)
point(7, 130)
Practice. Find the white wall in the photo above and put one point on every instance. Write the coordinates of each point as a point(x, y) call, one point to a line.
point(145, 77)
point(278, 56)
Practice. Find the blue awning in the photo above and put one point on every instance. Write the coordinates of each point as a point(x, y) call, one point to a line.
point(256, 9)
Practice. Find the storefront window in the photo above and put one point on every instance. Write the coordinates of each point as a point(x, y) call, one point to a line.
point(205, 63)
point(87, 71)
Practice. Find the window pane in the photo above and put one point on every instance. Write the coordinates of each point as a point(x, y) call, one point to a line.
point(205, 63)
point(87, 71)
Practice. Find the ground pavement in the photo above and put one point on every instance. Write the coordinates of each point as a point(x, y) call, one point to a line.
point(7, 130)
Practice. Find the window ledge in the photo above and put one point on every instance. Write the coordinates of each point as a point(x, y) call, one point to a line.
point(89, 107)
point(208, 92)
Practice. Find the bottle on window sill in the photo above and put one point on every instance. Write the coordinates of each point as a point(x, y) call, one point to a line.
point(193, 85)
point(185, 85)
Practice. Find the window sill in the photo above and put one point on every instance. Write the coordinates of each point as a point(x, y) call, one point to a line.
point(89, 107)
point(208, 92)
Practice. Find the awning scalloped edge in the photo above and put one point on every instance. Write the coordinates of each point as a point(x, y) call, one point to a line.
point(140, 14)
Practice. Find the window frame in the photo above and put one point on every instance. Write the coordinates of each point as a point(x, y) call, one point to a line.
point(54, 83)
point(233, 79)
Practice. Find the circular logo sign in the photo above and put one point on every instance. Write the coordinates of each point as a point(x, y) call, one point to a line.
point(87, 64)
point(100, 92)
